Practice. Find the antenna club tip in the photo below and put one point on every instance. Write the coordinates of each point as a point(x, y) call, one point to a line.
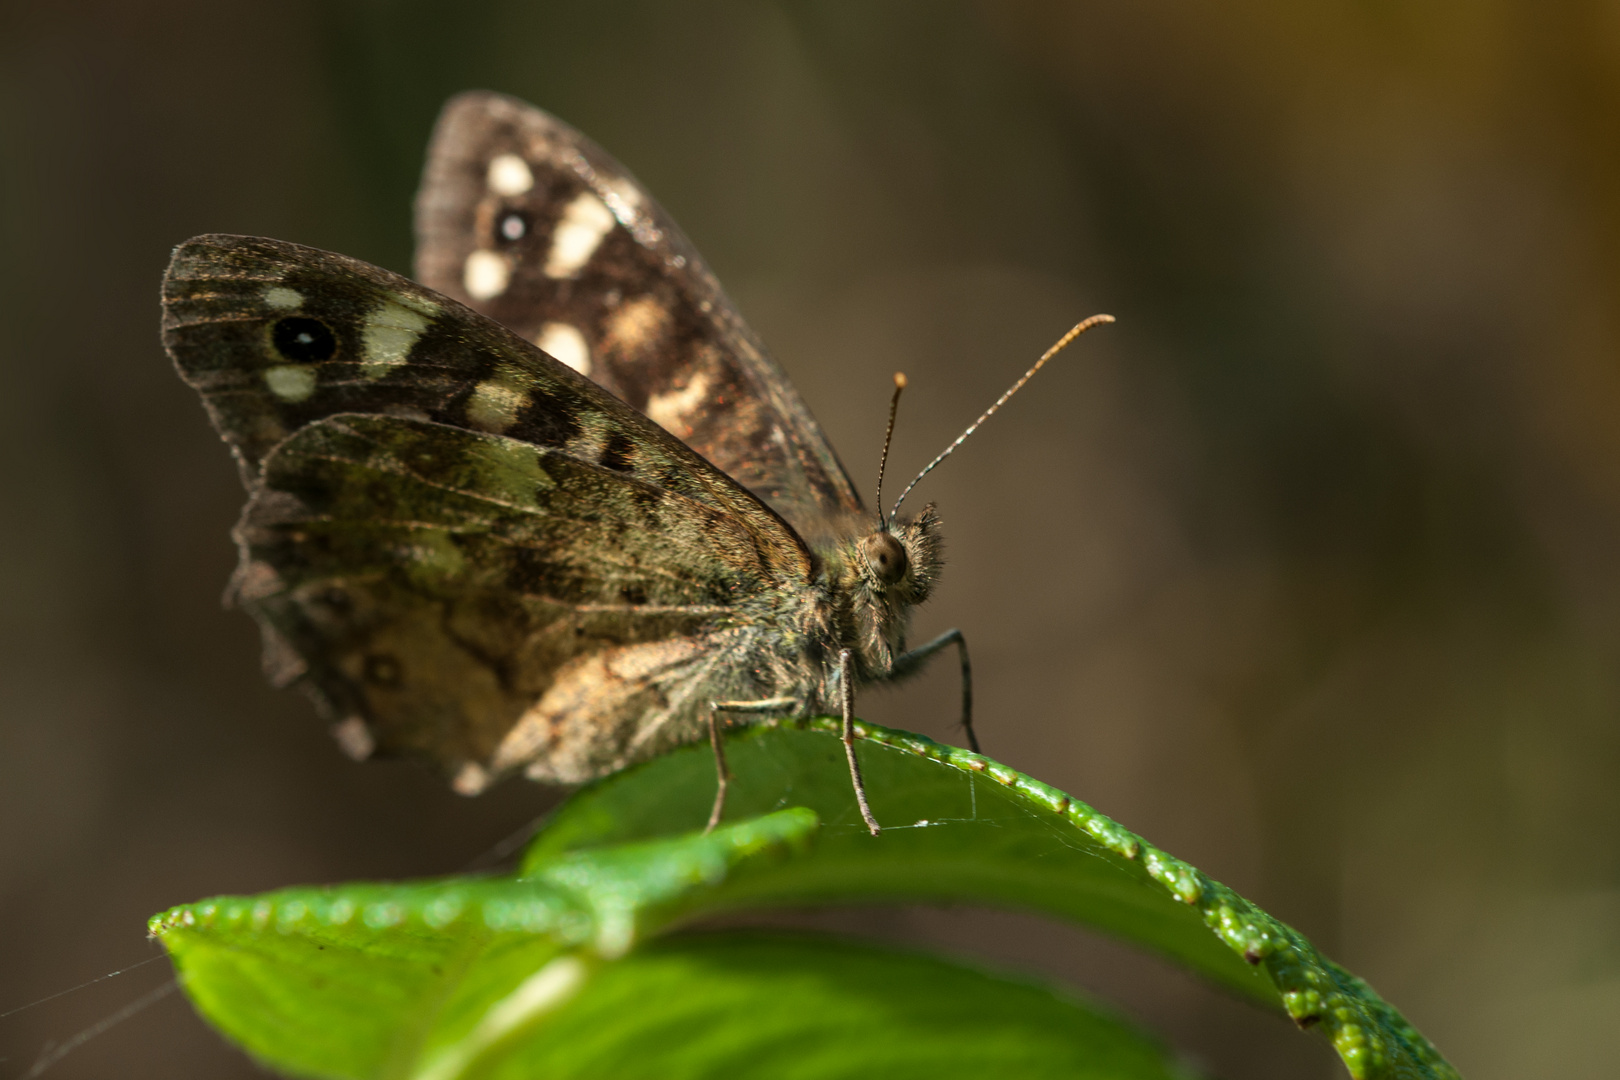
point(899, 380)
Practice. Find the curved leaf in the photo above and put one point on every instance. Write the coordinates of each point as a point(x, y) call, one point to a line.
point(803, 1007)
point(470, 977)
point(529, 977)
point(369, 980)
point(962, 828)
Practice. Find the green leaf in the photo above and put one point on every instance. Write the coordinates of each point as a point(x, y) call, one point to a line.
point(530, 977)
point(959, 827)
point(552, 973)
point(367, 980)
point(802, 1007)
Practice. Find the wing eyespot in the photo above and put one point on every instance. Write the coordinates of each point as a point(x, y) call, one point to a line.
point(512, 226)
point(303, 340)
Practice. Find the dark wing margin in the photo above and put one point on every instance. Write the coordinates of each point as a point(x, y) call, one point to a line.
point(488, 604)
point(528, 221)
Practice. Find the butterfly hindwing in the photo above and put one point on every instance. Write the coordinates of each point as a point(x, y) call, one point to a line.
point(489, 603)
point(526, 220)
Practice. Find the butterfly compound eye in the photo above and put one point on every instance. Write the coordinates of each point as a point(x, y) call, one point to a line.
point(885, 556)
point(303, 341)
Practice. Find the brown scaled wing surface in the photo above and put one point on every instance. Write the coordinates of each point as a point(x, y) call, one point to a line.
point(452, 538)
point(587, 264)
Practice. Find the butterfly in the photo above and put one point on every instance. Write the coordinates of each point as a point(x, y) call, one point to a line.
point(553, 510)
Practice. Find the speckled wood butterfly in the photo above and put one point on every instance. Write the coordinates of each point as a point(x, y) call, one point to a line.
point(554, 510)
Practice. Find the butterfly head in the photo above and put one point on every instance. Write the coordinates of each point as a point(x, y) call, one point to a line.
point(899, 559)
point(898, 563)
point(885, 574)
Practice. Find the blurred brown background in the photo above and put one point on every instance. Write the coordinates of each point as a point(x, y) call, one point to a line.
point(1307, 569)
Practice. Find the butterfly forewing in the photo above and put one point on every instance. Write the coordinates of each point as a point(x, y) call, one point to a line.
point(276, 335)
point(528, 221)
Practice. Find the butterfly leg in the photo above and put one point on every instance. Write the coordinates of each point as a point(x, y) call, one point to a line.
point(908, 662)
point(722, 771)
point(846, 686)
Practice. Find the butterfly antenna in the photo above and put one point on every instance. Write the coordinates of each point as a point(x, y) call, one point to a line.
point(1057, 347)
point(888, 437)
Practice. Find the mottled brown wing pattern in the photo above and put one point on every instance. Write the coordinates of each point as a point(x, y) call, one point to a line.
point(526, 220)
point(493, 605)
point(275, 335)
point(465, 549)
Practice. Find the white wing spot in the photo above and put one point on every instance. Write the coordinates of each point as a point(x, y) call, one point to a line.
point(627, 192)
point(509, 175)
point(290, 382)
point(354, 738)
point(584, 223)
point(637, 325)
point(624, 200)
point(669, 410)
point(470, 779)
point(495, 404)
point(389, 335)
point(485, 275)
point(567, 344)
point(282, 298)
